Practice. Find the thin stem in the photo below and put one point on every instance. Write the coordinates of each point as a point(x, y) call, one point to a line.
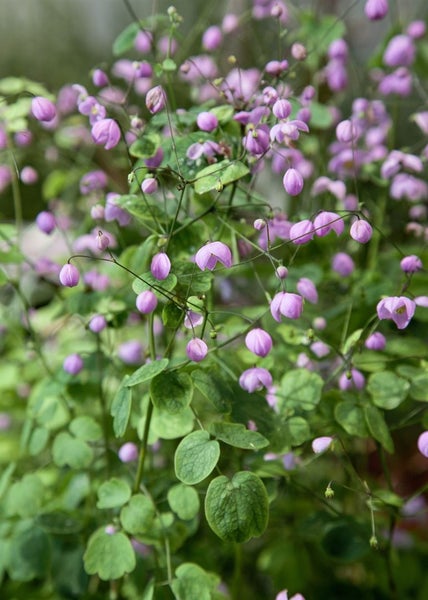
point(237, 573)
point(143, 448)
point(104, 416)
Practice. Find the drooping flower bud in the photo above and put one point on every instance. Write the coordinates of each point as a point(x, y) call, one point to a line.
point(73, 364)
point(293, 182)
point(361, 231)
point(146, 302)
point(321, 444)
point(411, 264)
point(207, 121)
point(155, 99)
point(106, 132)
point(255, 379)
point(69, 275)
point(196, 349)
point(45, 221)
point(259, 342)
point(160, 266)
point(397, 308)
point(209, 255)
point(149, 185)
point(43, 109)
point(97, 323)
point(287, 304)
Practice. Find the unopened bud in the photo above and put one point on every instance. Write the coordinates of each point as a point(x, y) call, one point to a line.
point(329, 492)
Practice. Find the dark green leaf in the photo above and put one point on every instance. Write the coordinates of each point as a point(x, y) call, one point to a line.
point(147, 372)
point(239, 436)
point(171, 391)
point(378, 428)
point(121, 408)
point(196, 457)
point(300, 390)
point(29, 555)
point(216, 176)
point(351, 417)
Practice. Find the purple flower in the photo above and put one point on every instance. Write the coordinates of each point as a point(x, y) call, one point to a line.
point(292, 182)
point(398, 82)
point(400, 51)
point(423, 444)
point(213, 252)
point(376, 9)
point(160, 266)
point(113, 212)
point(343, 264)
point(302, 232)
point(146, 302)
point(411, 264)
point(43, 109)
point(281, 272)
point(287, 304)
point(282, 108)
point(259, 342)
point(97, 323)
point(45, 221)
point(149, 185)
point(398, 308)
point(307, 289)
point(361, 231)
point(206, 121)
point(416, 29)
point(93, 181)
point(73, 364)
point(212, 38)
point(196, 350)
point(69, 275)
point(375, 341)
point(320, 349)
point(155, 99)
point(326, 221)
point(28, 175)
point(106, 132)
point(321, 444)
point(131, 352)
point(256, 140)
point(99, 78)
point(255, 379)
point(128, 452)
point(356, 381)
point(346, 131)
point(421, 120)
point(192, 319)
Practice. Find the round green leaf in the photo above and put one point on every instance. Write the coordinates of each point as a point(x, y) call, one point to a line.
point(69, 451)
point(86, 428)
point(300, 390)
point(299, 430)
point(110, 556)
point(237, 509)
point(195, 457)
point(169, 426)
point(184, 501)
point(138, 515)
point(378, 428)
point(25, 497)
point(419, 387)
point(113, 493)
point(351, 417)
point(193, 583)
point(387, 389)
point(171, 391)
point(147, 372)
point(237, 435)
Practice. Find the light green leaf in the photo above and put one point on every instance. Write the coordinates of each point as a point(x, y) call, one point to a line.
point(125, 40)
point(169, 65)
point(184, 501)
point(137, 516)
point(86, 428)
point(196, 456)
point(38, 440)
point(113, 493)
point(109, 556)
point(159, 288)
point(171, 391)
point(146, 146)
point(378, 428)
point(299, 430)
point(216, 176)
point(29, 555)
point(237, 435)
point(237, 509)
point(300, 390)
point(169, 426)
point(193, 583)
point(69, 451)
point(121, 408)
point(387, 389)
point(147, 372)
point(25, 498)
point(351, 417)
point(419, 387)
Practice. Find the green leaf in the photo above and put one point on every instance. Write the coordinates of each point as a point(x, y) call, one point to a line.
point(387, 389)
point(169, 65)
point(193, 583)
point(172, 391)
point(214, 388)
point(29, 555)
point(184, 501)
point(147, 372)
point(351, 417)
point(237, 435)
point(145, 212)
point(223, 113)
point(299, 430)
point(419, 387)
point(121, 408)
point(125, 40)
point(146, 146)
point(216, 176)
point(38, 440)
point(237, 509)
point(172, 315)
point(109, 556)
point(138, 515)
point(86, 429)
point(160, 289)
point(196, 457)
point(300, 390)
point(378, 428)
point(169, 426)
point(72, 452)
point(25, 498)
point(113, 493)
point(321, 116)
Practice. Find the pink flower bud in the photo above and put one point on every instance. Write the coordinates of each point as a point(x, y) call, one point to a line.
point(281, 272)
point(321, 444)
point(320, 349)
point(128, 452)
point(345, 131)
point(73, 364)
point(287, 304)
point(212, 38)
point(282, 109)
point(196, 349)
point(149, 185)
point(302, 232)
point(361, 231)
point(293, 182)
point(298, 51)
point(43, 109)
point(343, 264)
point(375, 341)
point(97, 323)
point(423, 444)
point(307, 289)
point(143, 42)
point(326, 221)
point(397, 308)
point(160, 266)
point(69, 275)
point(146, 302)
point(209, 255)
point(106, 132)
point(319, 323)
point(355, 382)
point(206, 121)
point(255, 379)
point(45, 222)
point(259, 342)
point(131, 352)
point(259, 224)
point(411, 264)
point(102, 240)
point(29, 175)
point(155, 99)
point(376, 9)
point(400, 51)
point(99, 78)
point(416, 29)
